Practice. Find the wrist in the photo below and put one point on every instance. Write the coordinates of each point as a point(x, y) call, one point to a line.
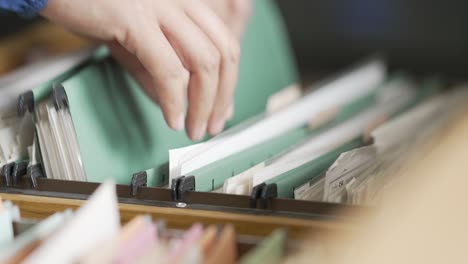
point(88, 18)
point(51, 9)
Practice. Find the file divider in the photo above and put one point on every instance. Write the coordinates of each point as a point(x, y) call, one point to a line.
point(186, 197)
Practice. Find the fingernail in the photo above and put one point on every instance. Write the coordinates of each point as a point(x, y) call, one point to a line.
point(217, 127)
point(230, 112)
point(199, 132)
point(180, 122)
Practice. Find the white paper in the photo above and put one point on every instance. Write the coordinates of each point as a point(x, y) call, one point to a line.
point(341, 91)
point(348, 165)
point(62, 157)
point(9, 214)
point(397, 141)
point(391, 133)
point(395, 97)
point(242, 183)
point(181, 155)
point(310, 191)
point(98, 220)
point(391, 99)
point(39, 231)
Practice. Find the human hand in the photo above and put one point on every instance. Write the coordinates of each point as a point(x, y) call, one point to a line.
point(175, 49)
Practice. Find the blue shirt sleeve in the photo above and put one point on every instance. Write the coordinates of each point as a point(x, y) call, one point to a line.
point(26, 8)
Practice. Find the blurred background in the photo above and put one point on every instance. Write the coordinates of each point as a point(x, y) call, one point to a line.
point(418, 35)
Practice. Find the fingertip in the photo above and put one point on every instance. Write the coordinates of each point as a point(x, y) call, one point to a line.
point(178, 123)
point(216, 127)
point(198, 132)
point(230, 112)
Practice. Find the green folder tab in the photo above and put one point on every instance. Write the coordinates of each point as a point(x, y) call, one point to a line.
point(269, 251)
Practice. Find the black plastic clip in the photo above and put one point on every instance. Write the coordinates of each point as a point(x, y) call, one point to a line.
point(255, 195)
point(25, 103)
point(180, 186)
point(263, 193)
point(59, 96)
point(139, 179)
point(6, 174)
point(19, 170)
point(268, 192)
point(34, 172)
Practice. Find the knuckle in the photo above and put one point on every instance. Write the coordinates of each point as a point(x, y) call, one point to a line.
point(126, 34)
point(233, 53)
point(241, 8)
point(209, 63)
point(175, 74)
point(124, 37)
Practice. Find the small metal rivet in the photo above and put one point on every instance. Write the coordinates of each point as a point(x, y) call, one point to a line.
point(181, 205)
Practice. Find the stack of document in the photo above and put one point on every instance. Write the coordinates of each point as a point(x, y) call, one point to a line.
point(371, 122)
point(93, 235)
point(361, 176)
point(17, 132)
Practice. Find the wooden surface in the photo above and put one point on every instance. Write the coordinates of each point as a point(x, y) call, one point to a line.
point(37, 207)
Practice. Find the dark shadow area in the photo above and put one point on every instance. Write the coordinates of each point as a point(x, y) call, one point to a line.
point(418, 35)
point(11, 23)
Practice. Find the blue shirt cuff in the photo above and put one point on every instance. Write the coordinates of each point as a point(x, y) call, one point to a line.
point(25, 8)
